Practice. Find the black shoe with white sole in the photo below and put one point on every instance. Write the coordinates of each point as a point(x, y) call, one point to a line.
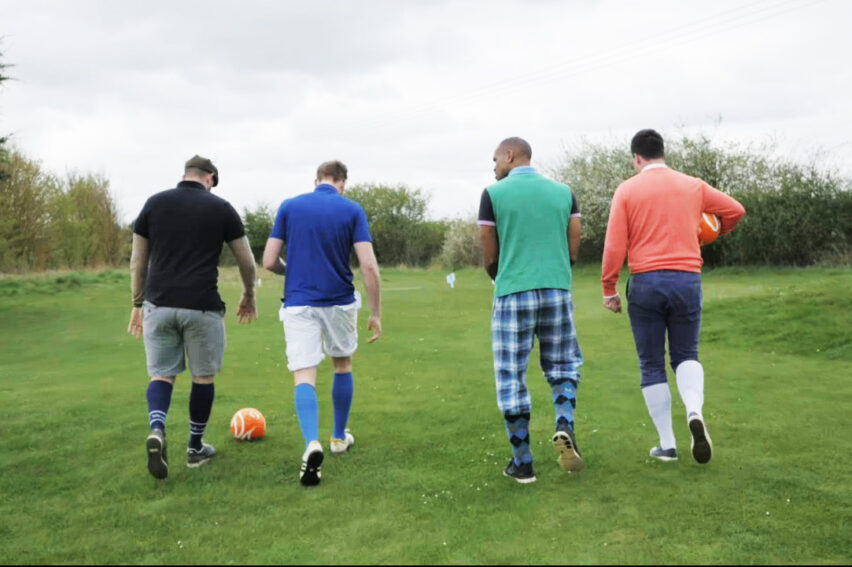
point(522, 473)
point(664, 454)
point(197, 457)
point(569, 455)
point(155, 446)
point(702, 447)
point(311, 472)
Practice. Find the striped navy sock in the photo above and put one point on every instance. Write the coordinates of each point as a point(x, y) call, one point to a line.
point(159, 398)
point(200, 404)
point(518, 428)
point(564, 401)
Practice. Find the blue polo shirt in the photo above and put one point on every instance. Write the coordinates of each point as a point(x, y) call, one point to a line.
point(319, 230)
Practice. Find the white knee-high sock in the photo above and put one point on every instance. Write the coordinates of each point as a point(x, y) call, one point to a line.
point(690, 384)
point(658, 398)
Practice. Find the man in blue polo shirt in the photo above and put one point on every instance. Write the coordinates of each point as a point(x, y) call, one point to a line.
point(320, 305)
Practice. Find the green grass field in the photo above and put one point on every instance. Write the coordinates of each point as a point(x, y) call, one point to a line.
point(424, 482)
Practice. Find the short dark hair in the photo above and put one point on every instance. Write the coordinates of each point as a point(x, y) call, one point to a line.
point(518, 145)
point(647, 144)
point(334, 169)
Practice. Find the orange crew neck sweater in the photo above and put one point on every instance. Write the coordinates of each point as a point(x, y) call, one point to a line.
point(653, 220)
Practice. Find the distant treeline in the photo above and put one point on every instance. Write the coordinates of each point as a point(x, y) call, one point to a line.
point(796, 214)
point(47, 222)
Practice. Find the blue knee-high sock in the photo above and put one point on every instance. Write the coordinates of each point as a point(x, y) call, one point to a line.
point(518, 428)
point(564, 401)
point(307, 410)
point(200, 403)
point(341, 395)
point(159, 398)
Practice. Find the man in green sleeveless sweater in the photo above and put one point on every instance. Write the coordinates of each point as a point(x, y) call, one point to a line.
point(530, 235)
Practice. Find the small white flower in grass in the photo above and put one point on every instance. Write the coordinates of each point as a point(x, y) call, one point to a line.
point(445, 543)
point(767, 513)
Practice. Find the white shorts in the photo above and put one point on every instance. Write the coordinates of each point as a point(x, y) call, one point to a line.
point(309, 330)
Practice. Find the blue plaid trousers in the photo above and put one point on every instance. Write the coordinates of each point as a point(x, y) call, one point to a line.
point(515, 320)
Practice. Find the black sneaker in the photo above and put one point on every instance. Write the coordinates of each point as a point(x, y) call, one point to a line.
point(702, 447)
point(197, 457)
point(155, 446)
point(522, 473)
point(311, 471)
point(569, 455)
point(664, 454)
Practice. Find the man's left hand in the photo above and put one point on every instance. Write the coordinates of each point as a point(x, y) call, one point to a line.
point(613, 303)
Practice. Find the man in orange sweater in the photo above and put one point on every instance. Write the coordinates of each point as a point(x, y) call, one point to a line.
point(653, 220)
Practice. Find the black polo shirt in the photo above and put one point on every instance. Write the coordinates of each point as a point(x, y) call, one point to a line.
point(186, 227)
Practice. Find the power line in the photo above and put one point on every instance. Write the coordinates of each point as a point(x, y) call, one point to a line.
point(684, 34)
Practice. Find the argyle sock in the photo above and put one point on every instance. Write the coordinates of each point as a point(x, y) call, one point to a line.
point(159, 396)
point(658, 398)
point(307, 410)
point(518, 428)
point(564, 401)
point(341, 395)
point(690, 384)
point(200, 404)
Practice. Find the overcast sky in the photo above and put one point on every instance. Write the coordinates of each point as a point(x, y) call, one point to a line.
point(414, 92)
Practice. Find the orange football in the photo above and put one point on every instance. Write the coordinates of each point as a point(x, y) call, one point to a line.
point(248, 424)
point(708, 228)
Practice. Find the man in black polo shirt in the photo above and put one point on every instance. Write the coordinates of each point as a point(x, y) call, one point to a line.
point(176, 303)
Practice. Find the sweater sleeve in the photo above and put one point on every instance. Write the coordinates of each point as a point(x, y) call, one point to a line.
point(729, 210)
point(615, 245)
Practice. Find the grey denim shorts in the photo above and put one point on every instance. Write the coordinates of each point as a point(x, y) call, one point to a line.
point(171, 331)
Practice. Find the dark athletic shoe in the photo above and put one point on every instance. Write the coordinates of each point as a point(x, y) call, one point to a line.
point(155, 446)
point(311, 472)
point(569, 455)
point(664, 454)
point(702, 447)
point(522, 473)
point(197, 457)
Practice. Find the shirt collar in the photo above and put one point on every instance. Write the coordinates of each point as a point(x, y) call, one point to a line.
point(522, 169)
point(654, 166)
point(191, 185)
point(326, 188)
